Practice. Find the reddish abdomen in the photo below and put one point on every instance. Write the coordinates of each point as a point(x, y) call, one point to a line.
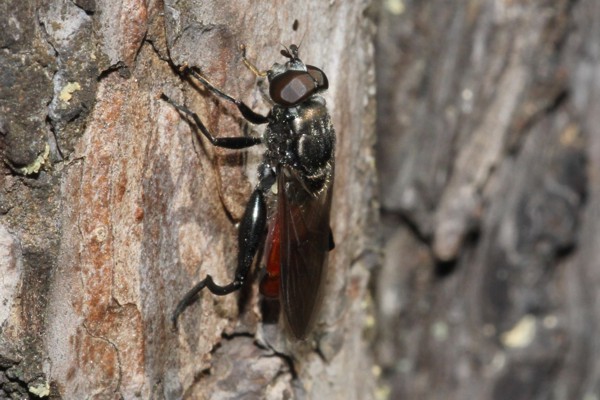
point(269, 285)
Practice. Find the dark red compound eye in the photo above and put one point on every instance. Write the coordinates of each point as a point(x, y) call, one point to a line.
point(291, 87)
point(319, 77)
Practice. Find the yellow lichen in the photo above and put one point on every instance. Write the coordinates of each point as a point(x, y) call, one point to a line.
point(36, 165)
point(67, 92)
point(40, 390)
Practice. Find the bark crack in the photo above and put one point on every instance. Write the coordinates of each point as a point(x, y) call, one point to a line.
point(117, 352)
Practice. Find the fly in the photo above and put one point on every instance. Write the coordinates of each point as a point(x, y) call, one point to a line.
point(299, 158)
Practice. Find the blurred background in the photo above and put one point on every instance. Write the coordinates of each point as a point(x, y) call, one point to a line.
point(488, 154)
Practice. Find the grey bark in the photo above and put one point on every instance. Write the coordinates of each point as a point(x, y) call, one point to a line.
point(112, 210)
point(489, 156)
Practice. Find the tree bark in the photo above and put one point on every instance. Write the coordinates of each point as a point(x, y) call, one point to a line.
point(489, 152)
point(112, 209)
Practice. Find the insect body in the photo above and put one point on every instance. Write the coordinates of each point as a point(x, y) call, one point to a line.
point(299, 159)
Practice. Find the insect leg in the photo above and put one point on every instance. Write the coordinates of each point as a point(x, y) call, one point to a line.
point(251, 231)
point(258, 73)
point(247, 113)
point(331, 241)
point(238, 142)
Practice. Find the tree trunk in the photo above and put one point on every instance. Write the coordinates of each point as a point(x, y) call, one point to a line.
point(112, 209)
point(489, 154)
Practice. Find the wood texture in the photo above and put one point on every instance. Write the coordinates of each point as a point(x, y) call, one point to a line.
point(489, 155)
point(112, 210)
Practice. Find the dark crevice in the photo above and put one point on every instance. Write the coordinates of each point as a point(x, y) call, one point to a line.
point(198, 377)
point(15, 170)
point(445, 268)
point(405, 219)
point(54, 137)
point(48, 40)
point(442, 268)
point(320, 354)
point(558, 100)
point(289, 361)
point(141, 46)
point(156, 50)
point(232, 336)
point(119, 68)
point(561, 98)
point(87, 6)
point(560, 42)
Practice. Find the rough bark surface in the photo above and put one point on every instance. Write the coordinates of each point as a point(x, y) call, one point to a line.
point(111, 208)
point(489, 153)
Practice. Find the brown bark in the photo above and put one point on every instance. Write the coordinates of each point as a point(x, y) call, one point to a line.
point(111, 209)
point(489, 152)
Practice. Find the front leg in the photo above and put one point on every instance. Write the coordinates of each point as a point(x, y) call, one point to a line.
point(236, 143)
point(246, 111)
point(251, 231)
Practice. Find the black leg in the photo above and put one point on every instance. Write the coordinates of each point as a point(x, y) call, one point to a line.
point(252, 228)
point(250, 115)
point(331, 241)
point(238, 142)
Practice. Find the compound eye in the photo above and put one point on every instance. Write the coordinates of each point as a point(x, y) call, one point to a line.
point(319, 77)
point(292, 87)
